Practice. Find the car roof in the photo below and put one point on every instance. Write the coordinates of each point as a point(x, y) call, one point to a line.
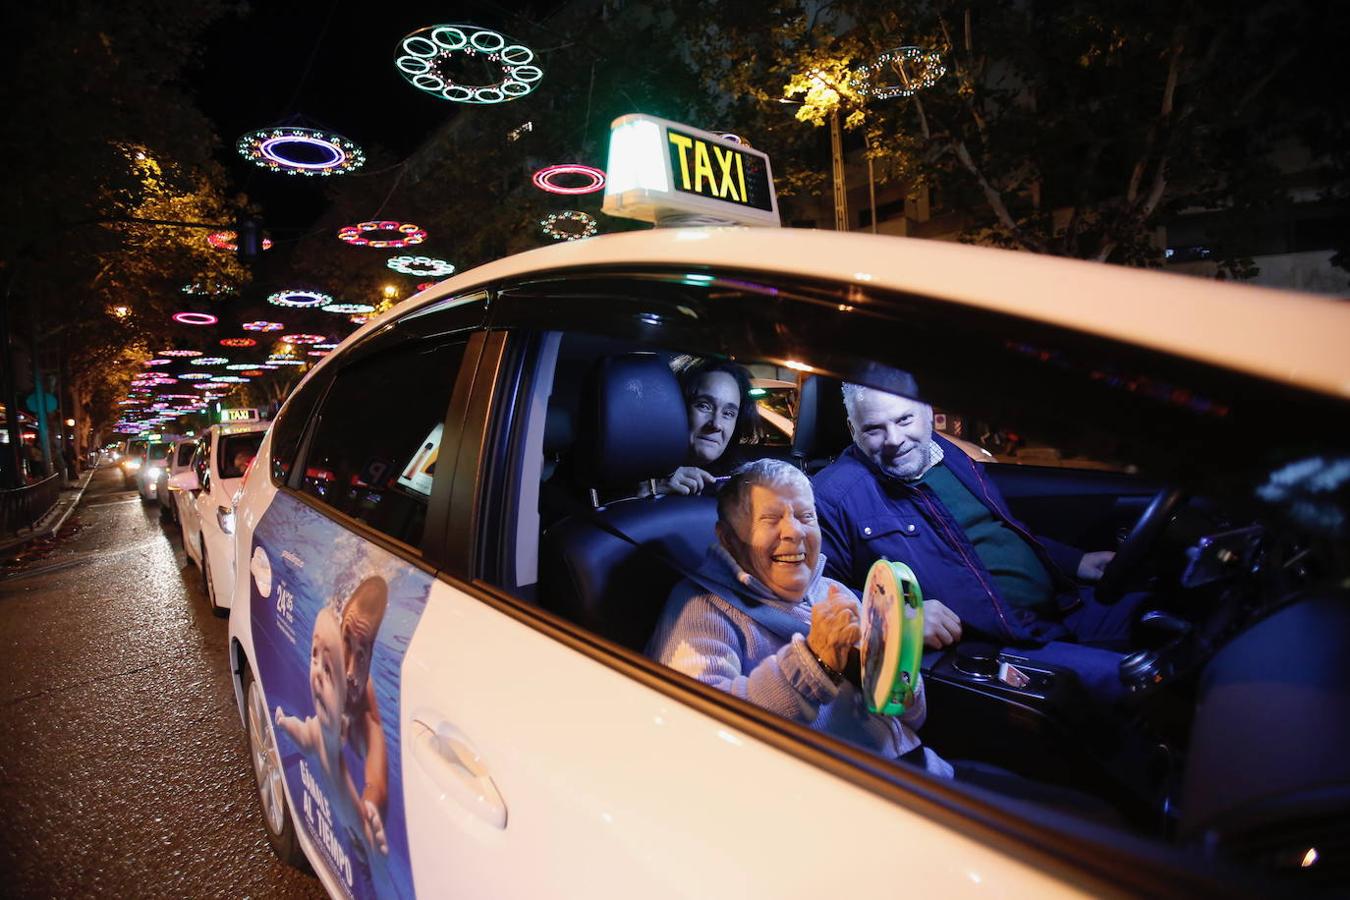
point(1284, 336)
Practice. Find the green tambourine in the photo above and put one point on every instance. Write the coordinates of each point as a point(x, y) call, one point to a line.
point(892, 637)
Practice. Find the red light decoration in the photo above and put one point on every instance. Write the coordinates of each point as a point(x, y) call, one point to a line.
point(426, 284)
point(238, 342)
point(544, 179)
point(357, 235)
point(262, 325)
point(252, 373)
point(195, 318)
point(156, 362)
point(225, 240)
point(302, 338)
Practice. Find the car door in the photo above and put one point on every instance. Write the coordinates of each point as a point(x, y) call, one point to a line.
point(540, 760)
point(346, 581)
point(201, 465)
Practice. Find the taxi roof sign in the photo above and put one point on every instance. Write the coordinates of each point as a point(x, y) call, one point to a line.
point(240, 415)
point(660, 169)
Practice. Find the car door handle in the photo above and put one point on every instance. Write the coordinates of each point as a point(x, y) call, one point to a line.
point(448, 758)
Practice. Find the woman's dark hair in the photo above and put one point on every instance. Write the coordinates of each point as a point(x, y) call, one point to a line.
point(691, 369)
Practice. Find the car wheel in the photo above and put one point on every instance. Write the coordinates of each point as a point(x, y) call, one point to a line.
point(210, 585)
point(268, 776)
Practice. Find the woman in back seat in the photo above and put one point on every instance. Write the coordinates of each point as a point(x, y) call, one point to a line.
point(722, 416)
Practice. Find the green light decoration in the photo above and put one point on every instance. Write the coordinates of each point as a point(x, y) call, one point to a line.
point(428, 53)
point(915, 70)
point(579, 225)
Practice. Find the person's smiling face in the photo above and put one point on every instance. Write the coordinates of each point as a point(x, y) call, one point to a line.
point(893, 431)
point(777, 538)
point(714, 406)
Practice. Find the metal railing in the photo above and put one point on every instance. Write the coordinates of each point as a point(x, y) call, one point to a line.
point(24, 507)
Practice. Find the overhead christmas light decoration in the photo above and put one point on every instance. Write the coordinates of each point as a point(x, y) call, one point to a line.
point(428, 54)
point(301, 151)
point(358, 320)
point(195, 318)
point(326, 346)
point(194, 376)
point(316, 353)
point(284, 361)
point(210, 385)
point(238, 342)
point(225, 240)
point(298, 300)
point(420, 265)
point(347, 309)
point(231, 379)
point(357, 235)
point(915, 69)
point(210, 289)
point(303, 338)
point(252, 373)
point(209, 361)
point(156, 362)
point(574, 217)
point(239, 367)
point(179, 353)
point(544, 179)
point(422, 286)
point(262, 325)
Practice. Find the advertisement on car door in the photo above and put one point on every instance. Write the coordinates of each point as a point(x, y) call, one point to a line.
point(332, 617)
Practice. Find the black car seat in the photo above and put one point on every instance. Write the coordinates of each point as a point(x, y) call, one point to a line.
point(822, 425)
point(632, 427)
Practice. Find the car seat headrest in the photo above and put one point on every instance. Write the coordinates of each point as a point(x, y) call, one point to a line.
point(822, 424)
point(633, 423)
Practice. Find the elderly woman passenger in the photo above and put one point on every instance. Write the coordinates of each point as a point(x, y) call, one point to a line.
point(764, 624)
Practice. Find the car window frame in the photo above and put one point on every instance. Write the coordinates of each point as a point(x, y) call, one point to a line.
point(1108, 862)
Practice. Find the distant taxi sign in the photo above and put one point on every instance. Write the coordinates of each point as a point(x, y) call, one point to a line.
point(659, 171)
point(240, 415)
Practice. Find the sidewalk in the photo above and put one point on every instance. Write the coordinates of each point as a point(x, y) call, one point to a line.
point(54, 518)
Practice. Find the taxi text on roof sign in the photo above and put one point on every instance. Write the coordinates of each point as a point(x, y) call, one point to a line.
point(659, 169)
point(240, 415)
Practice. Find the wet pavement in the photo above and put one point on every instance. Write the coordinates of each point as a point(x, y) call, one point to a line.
point(123, 765)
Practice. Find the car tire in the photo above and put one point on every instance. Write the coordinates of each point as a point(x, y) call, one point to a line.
point(268, 776)
point(210, 586)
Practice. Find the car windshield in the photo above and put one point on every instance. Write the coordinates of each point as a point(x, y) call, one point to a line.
point(237, 451)
point(159, 451)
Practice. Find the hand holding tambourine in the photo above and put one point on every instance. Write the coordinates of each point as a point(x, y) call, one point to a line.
point(892, 637)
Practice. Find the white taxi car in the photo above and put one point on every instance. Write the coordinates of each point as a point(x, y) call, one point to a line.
point(437, 633)
point(207, 490)
point(178, 461)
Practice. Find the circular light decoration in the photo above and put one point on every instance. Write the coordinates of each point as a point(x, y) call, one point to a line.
point(302, 338)
point(180, 353)
point(420, 265)
point(425, 284)
point(194, 376)
point(210, 289)
point(261, 325)
point(347, 309)
point(195, 318)
point(357, 235)
point(298, 300)
point(316, 353)
point(225, 240)
point(238, 342)
point(210, 385)
point(156, 362)
point(575, 217)
point(358, 320)
point(301, 151)
point(914, 70)
point(327, 346)
point(544, 179)
point(210, 361)
point(428, 52)
point(239, 367)
point(231, 379)
point(284, 361)
point(252, 373)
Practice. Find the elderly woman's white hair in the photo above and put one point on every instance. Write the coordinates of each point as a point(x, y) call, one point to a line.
point(733, 500)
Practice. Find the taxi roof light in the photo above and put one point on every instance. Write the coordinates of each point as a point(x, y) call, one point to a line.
point(671, 174)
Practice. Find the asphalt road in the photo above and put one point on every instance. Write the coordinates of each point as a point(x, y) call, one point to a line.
point(123, 766)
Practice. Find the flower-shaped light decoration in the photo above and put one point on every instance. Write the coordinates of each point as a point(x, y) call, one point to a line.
point(194, 318)
point(156, 362)
point(239, 367)
point(348, 309)
point(358, 320)
point(428, 53)
point(179, 353)
point(578, 225)
point(195, 376)
point(546, 179)
point(400, 234)
point(298, 300)
point(209, 361)
point(301, 151)
point(326, 346)
point(262, 325)
point(273, 361)
point(302, 338)
point(225, 240)
point(210, 288)
point(422, 266)
point(238, 342)
point(913, 69)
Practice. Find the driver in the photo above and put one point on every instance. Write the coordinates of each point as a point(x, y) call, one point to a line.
point(903, 493)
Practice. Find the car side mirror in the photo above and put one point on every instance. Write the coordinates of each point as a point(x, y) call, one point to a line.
point(185, 481)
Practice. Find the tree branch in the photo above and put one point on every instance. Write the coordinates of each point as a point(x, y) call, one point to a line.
point(995, 200)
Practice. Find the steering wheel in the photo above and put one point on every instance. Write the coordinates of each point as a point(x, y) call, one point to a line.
point(1138, 544)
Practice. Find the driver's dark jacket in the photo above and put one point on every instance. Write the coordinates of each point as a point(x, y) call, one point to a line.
point(866, 515)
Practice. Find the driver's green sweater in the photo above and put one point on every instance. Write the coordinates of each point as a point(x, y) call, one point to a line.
point(1019, 575)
